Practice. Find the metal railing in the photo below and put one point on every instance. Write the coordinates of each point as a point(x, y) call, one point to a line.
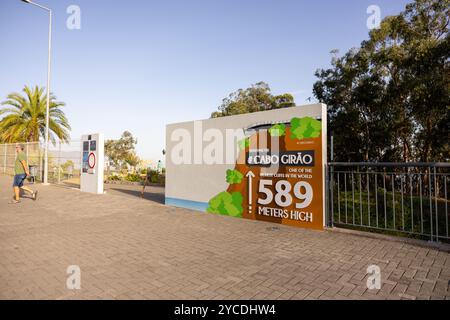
point(64, 161)
point(406, 199)
point(33, 153)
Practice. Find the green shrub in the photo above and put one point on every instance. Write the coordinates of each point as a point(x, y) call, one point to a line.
point(156, 177)
point(133, 177)
point(114, 177)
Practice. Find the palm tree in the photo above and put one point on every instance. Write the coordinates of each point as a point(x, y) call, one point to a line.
point(24, 119)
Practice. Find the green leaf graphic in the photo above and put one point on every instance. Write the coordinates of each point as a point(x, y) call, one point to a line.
point(227, 204)
point(305, 128)
point(278, 130)
point(234, 177)
point(244, 144)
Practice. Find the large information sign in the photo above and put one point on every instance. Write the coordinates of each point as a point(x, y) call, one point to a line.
point(92, 163)
point(284, 182)
point(277, 175)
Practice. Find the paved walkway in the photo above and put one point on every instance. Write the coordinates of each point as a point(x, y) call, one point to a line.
point(129, 248)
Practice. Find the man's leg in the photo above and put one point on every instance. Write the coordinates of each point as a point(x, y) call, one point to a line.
point(26, 189)
point(143, 188)
point(16, 193)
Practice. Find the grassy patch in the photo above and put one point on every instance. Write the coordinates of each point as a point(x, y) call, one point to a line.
point(398, 214)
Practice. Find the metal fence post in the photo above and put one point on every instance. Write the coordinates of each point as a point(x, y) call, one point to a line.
point(331, 177)
point(4, 159)
point(327, 191)
point(431, 203)
point(40, 162)
point(436, 195)
point(59, 163)
point(331, 168)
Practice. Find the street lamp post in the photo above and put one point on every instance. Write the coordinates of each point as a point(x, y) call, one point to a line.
point(49, 66)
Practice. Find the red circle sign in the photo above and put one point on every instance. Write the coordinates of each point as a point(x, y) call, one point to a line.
point(91, 160)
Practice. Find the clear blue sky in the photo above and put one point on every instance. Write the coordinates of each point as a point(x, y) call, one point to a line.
point(138, 65)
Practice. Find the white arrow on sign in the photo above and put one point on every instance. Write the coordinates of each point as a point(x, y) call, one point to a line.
point(250, 175)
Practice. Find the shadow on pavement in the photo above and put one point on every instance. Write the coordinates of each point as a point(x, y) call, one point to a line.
point(152, 196)
point(71, 185)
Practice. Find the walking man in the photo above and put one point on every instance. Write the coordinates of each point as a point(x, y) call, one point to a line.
point(21, 173)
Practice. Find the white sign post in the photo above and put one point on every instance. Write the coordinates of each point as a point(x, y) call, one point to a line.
point(92, 163)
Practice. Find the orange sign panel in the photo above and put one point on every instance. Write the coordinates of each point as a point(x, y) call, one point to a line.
point(278, 176)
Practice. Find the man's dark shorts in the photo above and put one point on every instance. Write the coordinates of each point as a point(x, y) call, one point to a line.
point(19, 180)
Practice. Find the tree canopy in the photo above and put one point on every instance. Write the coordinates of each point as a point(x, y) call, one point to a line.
point(256, 98)
point(24, 117)
point(389, 99)
point(122, 151)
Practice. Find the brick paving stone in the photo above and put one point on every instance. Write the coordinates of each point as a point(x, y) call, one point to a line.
point(132, 248)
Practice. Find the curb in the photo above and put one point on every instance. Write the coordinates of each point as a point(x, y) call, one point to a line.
point(420, 243)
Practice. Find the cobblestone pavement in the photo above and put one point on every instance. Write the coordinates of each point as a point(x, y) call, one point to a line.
point(129, 248)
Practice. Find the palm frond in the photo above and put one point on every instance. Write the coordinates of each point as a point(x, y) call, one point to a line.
point(24, 118)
